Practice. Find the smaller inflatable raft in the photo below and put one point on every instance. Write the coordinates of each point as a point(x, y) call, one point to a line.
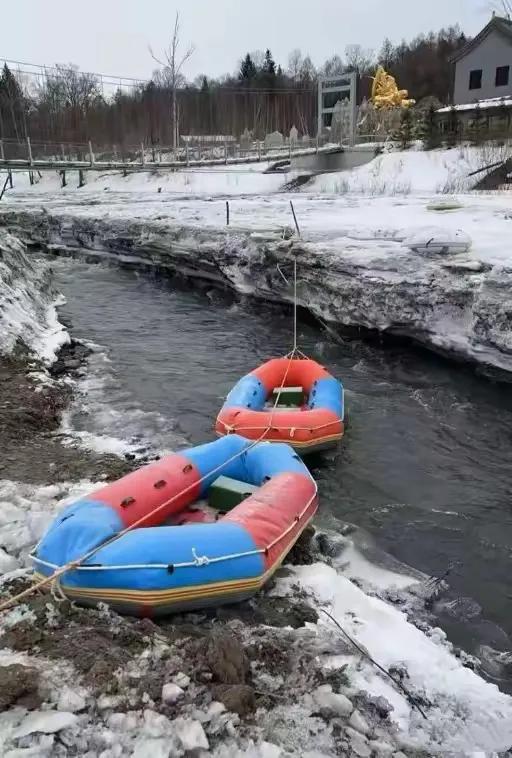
point(182, 557)
point(292, 399)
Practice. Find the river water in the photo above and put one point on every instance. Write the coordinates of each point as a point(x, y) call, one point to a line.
point(425, 465)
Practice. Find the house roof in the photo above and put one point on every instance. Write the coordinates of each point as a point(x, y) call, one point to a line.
point(491, 102)
point(497, 23)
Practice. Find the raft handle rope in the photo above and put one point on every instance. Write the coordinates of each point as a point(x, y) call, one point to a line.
point(411, 699)
point(76, 563)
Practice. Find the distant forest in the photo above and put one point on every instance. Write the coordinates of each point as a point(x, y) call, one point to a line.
point(66, 105)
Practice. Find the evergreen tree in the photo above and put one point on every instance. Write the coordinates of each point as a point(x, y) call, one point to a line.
point(404, 132)
point(453, 128)
point(269, 66)
point(247, 69)
point(428, 129)
point(204, 85)
point(12, 102)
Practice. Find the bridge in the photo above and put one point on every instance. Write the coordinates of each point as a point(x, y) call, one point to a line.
point(26, 156)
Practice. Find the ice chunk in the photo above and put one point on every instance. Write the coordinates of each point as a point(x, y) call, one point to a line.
point(48, 722)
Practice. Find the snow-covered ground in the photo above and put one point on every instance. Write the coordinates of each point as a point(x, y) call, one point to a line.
point(225, 180)
point(414, 171)
point(464, 714)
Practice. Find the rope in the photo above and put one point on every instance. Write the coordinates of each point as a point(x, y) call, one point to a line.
point(75, 564)
point(412, 700)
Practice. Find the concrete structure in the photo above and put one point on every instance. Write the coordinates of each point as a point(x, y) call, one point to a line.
point(331, 90)
point(483, 67)
point(342, 159)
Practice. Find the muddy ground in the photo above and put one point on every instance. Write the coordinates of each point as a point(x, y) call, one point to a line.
point(30, 415)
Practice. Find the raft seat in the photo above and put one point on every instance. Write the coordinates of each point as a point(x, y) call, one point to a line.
point(226, 493)
point(290, 397)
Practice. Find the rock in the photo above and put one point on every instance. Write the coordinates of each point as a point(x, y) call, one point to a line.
point(226, 659)
point(182, 680)
point(70, 700)
point(215, 709)
point(330, 703)
point(156, 724)
point(399, 754)
point(7, 562)
point(238, 698)
point(358, 743)
point(381, 748)
point(191, 734)
point(47, 722)
point(382, 706)
point(358, 723)
point(153, 747)
point(171, 693)
point(19, 684)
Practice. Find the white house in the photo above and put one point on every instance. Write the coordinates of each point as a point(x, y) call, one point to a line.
point(483, 67)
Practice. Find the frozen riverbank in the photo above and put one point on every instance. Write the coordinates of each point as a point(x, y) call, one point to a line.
point(263, 679)
point(354, 269)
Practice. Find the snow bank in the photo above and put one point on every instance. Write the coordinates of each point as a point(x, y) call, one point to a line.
point(413, 171)
point(353, 268)
point(27, 303)
point(464, 713)
point(214, 180)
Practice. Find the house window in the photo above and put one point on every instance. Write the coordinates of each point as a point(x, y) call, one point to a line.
point(502, 73)
point(475, 79)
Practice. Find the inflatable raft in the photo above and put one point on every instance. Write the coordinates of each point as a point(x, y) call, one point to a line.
point(177, 556)
point(291, 399)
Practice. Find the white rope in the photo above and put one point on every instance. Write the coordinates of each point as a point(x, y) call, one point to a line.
point(198, 559)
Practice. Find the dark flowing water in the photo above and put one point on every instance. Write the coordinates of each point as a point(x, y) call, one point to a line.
point(426, 463)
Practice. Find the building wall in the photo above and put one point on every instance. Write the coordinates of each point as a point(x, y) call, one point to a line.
point(495, 50)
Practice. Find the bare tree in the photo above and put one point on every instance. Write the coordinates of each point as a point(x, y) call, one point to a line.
point(502, 7)
point(333, 66)
point(359, 59)
point(295, 64)
point(172, 65)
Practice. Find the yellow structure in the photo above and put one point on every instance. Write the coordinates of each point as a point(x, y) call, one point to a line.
point(385, 93)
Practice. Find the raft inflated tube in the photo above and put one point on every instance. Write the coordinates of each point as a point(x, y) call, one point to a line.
point(152, 570)
point(317, 425)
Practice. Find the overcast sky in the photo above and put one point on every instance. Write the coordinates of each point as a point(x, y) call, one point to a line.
point(112, 36)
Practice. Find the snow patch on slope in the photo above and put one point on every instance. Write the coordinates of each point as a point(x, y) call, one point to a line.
point(413, 171)
point(28, 312)
point(464, 713)
point(244, 179)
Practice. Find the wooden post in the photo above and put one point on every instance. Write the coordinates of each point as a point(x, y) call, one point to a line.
point(9, 175)
point(91, 154)
point(62, 152)
point(4, 187)
point(142, 161)
point(29, 151)
point(186, 154)
point(226, 152)
point(31, 177)
point(63, 182)
point(81, 178)
point(2, 154)
point(317, 142)
point(295, 219)
point(227, 212)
